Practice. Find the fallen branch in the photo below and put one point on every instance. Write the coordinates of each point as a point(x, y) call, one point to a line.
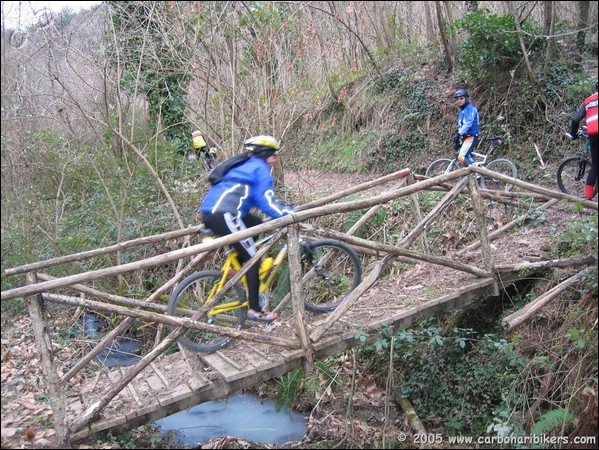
point(527, 266)
point(412, 418)
point(522, 315)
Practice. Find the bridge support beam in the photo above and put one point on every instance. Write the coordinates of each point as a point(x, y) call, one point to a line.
point(479, 213)
point(51, 378)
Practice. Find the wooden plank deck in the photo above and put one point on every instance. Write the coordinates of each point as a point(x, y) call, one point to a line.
point(184, 379)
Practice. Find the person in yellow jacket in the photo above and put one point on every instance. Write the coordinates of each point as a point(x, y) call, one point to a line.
point(201, 148)
point(199, 143)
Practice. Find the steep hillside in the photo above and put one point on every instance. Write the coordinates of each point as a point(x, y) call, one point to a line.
point(407, 120)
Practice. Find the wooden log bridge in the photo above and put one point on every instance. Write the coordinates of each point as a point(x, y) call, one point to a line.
point(167, 378)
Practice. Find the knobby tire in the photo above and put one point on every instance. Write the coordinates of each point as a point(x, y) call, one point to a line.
point(572, 176)
point(330, 271)
point(191, 294)
point(440, 167)
point(503, 166)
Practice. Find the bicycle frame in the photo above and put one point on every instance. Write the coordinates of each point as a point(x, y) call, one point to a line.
point(330, 268)
point(481, 158)
point(231, 266)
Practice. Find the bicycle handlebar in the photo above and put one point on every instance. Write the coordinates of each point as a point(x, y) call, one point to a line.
point(582, 132)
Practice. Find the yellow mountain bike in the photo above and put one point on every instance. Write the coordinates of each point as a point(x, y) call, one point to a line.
point(330, 271)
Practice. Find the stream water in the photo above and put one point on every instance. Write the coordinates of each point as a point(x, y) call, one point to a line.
point(120, 352)
point(243, 416)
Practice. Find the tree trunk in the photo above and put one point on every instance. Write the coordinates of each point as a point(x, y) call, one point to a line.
point(443, 35)
point(409, 22)
point(522, 46)
point(583, 23)
point(451, 37)
point(430, 29)
point(549, 31)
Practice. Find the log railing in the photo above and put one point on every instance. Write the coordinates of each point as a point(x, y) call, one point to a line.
point(40, 285)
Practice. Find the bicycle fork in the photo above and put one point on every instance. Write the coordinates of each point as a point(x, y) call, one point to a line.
point(582, 165)
point(309, 255)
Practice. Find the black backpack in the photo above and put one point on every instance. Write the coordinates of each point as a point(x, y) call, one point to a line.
point(216, 175)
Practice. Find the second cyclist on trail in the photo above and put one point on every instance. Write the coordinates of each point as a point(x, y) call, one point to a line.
point(465, 140)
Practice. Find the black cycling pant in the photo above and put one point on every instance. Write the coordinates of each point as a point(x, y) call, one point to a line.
point(592, 176)
point(224, 224)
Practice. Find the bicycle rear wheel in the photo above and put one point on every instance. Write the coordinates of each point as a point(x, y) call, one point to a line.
point(441, 166)
point(572, 176)
point(504, 167)
point(330, 271)
point(191, 294)
point(210, 161)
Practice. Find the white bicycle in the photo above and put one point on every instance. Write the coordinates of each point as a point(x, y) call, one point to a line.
point(503, 166)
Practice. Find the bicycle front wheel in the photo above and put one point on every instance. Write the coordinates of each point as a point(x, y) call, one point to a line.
point(572, 176)
point(441, 167)
point(330, 271)
point(191, 294)
point(504, 167)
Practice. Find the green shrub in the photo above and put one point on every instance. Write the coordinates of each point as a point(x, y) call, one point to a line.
point(491, 48)
point(460, 379)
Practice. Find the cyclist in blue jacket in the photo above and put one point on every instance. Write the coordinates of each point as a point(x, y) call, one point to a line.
point(465, 140)
point(226, 208)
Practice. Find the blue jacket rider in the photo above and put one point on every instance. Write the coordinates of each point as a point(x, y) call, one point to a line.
point(467, 127)
point(242, 188)
point(226, 209)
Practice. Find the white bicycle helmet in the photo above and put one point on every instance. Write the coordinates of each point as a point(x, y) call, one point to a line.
point(262, 145)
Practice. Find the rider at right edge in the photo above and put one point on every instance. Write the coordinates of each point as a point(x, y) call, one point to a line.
point(588, 111)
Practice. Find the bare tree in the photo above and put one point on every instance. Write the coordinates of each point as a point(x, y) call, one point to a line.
point(443, 34)
point(583, 24)
point(430, 29)
point(548, 29)
point(522, 46)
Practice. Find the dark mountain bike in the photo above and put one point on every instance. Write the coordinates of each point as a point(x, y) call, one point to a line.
point(207, 156)
point(572, 171)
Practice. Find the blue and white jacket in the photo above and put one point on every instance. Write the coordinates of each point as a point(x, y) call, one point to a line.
point(468, 120)
point(243, 187)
